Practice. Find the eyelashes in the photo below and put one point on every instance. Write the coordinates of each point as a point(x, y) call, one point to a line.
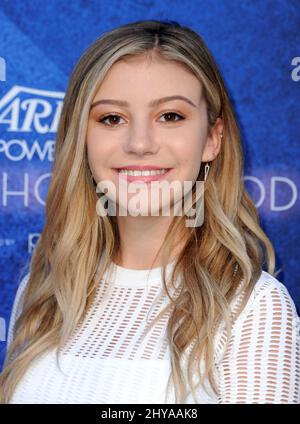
point(116, 117)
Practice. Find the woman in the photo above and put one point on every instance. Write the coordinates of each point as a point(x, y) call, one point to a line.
point(148, 96)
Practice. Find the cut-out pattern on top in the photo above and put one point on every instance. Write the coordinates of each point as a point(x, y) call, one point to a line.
point(109, 359)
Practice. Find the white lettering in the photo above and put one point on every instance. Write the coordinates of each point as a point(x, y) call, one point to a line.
point(260, 186)
point(2, 330)
point(32, 240)
point(34, 187)
point(2, 69)
point(274, 181)
point(12, 111)
point(138, 203)
point(39, 114)
point(57, 114)
point(16, 150)
point(295, 74)
point(33, 116)
point(37, 188)
point(6, 192)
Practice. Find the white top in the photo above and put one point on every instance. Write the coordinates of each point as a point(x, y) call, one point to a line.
point(108, 360)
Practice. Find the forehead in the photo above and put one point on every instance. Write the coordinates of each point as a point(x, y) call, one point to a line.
point(149, 76)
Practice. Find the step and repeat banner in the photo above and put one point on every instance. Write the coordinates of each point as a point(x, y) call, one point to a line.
point(257, 47)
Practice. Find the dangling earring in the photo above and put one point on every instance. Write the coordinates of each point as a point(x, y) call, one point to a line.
point(91, 176)
point(206, 169)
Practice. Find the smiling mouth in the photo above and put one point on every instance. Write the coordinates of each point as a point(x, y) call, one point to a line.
point(147, 175)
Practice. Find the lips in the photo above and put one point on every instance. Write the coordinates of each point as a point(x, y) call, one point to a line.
point(142, 178)
point(142, 168)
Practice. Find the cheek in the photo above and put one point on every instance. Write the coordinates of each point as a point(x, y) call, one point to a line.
point(97, 147)
point(92, 139)
point(97, 157)
point(189, 141)
point(189, 158)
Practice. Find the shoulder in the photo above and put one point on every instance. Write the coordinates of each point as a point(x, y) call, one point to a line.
point(269, 300)
point(267, 285)
point(270, 303)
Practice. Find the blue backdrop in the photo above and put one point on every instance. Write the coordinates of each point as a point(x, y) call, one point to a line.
point(256, 45)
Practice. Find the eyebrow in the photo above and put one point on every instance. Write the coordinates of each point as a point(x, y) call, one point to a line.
point(153, 103)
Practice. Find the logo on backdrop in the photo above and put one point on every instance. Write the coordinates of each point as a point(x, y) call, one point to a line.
point(2, 69)
point(2, 330)
point(27, 109)
point(29, 119)
point(295, 74)
point(273, 194)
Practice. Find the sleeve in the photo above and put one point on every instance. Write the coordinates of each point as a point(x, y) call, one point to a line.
point(16, 310)
point(262, 363)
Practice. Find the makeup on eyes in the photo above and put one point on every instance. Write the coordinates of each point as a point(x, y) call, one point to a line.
point(179, 117)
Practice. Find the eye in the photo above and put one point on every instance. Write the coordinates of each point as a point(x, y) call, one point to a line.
point(172, 114)
point(116, 117)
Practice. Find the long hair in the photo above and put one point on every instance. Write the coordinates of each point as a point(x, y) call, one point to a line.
point(64, 267)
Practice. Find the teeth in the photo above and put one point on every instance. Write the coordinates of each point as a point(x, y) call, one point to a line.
point(142, 173)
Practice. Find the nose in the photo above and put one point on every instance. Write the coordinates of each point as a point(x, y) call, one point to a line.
point(141, 141)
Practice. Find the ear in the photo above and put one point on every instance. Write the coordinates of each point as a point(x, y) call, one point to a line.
point(214, 140)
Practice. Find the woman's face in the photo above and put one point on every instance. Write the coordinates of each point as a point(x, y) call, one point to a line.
point(169, 134)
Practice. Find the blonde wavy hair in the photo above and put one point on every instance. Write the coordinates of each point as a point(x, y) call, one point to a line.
point(64, 267)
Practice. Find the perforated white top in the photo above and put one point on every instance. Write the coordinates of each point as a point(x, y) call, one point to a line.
point(109, 360)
